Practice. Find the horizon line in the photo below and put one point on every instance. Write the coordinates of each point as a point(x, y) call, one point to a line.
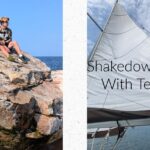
point(48, 56)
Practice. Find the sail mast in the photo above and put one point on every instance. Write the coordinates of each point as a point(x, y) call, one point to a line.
point(100, 36)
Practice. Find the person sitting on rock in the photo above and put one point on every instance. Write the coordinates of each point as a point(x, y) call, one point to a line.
point(6, 43)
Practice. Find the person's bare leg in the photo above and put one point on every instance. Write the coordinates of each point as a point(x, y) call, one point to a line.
point(5, 50)
point(16, 46)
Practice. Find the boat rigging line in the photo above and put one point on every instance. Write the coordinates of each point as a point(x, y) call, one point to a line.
point(105, 139)
point(93, 135)
point(121, 134)
point(95, 21)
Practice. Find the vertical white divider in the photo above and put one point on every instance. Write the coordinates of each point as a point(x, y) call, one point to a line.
point(75, 74)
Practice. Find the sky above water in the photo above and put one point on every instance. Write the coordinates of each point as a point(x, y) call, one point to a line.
point(36, 25)
point(138, 10)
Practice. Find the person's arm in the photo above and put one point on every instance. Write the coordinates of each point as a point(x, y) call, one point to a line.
point(8, 41)
point(10, 36)
point(2, 42)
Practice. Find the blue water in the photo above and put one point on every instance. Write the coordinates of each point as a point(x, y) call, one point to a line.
point(137, 138)
point(54, 62)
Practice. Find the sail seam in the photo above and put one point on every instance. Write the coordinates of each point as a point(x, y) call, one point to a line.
point(121, 32)
point(119, 15)
point(126, 53)
point(132, 101)
point(132, 49)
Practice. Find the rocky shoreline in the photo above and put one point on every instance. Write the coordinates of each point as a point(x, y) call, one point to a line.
point(31, 102)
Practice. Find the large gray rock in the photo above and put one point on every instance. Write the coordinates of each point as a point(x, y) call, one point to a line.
point(30, 95)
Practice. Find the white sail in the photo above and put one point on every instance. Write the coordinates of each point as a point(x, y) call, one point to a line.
point(122, 41)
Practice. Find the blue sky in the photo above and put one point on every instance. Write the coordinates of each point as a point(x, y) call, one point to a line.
point(138, 10)
point(36, 25)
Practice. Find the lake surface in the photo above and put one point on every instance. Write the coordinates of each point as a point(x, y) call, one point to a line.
point(137, 138)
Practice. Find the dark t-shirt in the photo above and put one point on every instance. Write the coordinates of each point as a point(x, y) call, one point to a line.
point(5, 34)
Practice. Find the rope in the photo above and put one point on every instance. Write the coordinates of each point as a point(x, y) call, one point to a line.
point(93, 135)
point(105, 139)
point(120, 136)
point(119, 139)
point(105, 98)
point(93, 142)
point(95, 22)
